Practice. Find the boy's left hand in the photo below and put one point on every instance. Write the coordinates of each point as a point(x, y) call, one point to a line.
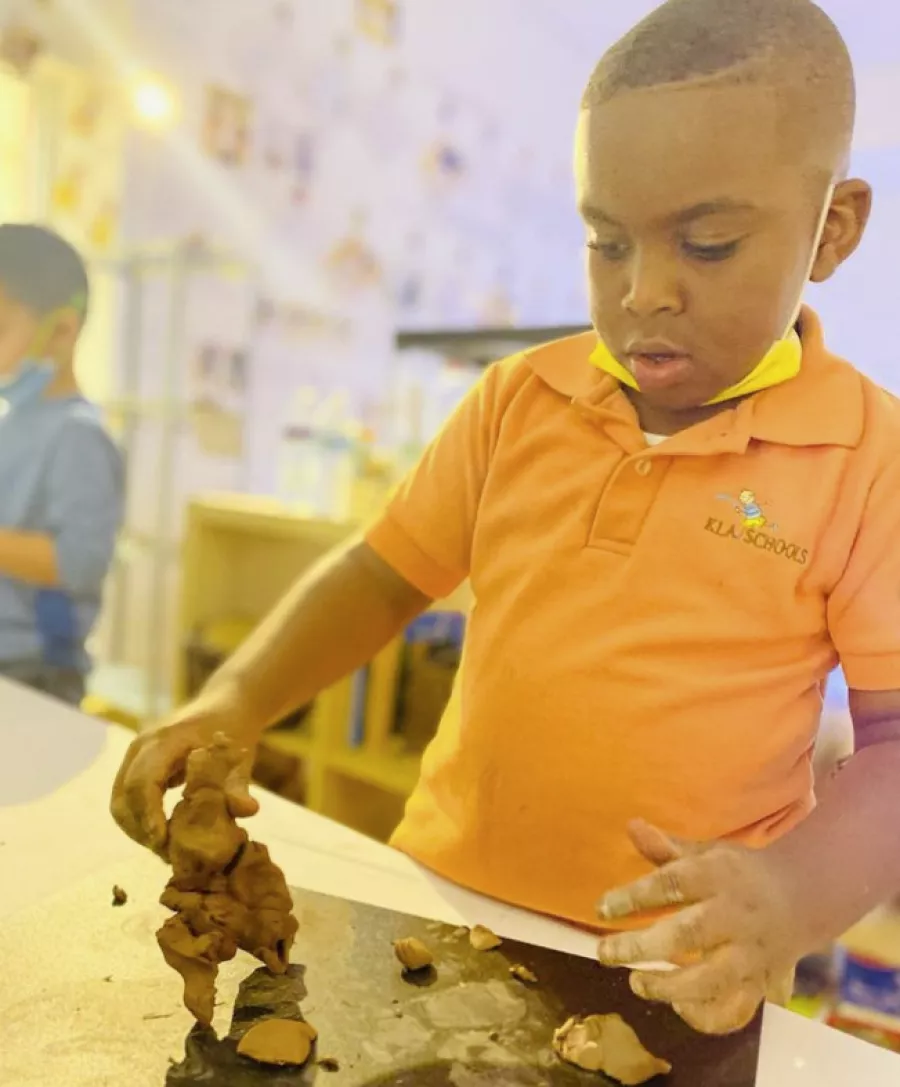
point(733, 938)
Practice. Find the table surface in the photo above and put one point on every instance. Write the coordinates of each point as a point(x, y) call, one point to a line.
point(56, 834)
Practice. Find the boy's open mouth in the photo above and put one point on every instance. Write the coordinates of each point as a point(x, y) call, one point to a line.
point(659, 369)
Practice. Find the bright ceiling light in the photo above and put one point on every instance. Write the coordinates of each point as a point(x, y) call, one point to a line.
point(154, 104)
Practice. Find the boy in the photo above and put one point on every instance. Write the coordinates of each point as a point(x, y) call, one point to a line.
point(675, 527)
point(60, 474)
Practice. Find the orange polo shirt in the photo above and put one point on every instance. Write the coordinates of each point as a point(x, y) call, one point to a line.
point(652, 626)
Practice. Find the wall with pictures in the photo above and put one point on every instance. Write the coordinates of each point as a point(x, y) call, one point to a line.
point(381, 163)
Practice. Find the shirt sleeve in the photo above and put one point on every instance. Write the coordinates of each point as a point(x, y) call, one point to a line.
point(426, 532)
point(85, 498)
point(864, 607)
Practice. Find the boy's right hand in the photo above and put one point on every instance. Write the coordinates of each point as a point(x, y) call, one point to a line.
point(155, 762)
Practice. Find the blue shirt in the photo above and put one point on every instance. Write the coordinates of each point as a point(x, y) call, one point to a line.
point(61, 474)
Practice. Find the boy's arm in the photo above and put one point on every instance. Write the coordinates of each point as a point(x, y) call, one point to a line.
point(82, 502)
point(844, 860)
point(29, 557)
point(336, 618)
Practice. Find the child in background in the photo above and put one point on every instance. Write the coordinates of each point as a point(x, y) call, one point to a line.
point(61, 476)
point(675, 527)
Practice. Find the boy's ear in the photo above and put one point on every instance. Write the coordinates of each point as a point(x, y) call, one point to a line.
point(845, 225)
point(66, 326)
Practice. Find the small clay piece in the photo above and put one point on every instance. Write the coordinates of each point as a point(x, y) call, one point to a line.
point(225, 892)
point(310, 1030)
point(277, 1041)
point(119, 896)
point(329, 1064)
point(522, 973)
point(607, 1044)
point(413, 954)
point(482, 939)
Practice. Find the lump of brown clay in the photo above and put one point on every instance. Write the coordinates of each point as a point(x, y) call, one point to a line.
point(413, 954)
point(607, 1044)
point(119, 897)
point(522, 973)
point(225, 892)
point(482, 939)
point(278, 1041)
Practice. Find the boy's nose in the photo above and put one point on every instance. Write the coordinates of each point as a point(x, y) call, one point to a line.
point(653, 288)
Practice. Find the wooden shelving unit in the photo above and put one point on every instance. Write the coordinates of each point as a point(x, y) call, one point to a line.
point(241, 554)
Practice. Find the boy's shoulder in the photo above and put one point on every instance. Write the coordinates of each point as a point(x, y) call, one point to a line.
point(868, 409)
point(78, 414)
point(563, 365)
point(76, 427)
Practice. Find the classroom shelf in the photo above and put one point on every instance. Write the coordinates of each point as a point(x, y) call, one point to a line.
point(394, 773)
point(241, 554)
point(293, 742)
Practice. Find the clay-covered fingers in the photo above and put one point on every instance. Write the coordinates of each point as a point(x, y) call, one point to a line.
point(153, 763)
point(725, 1016)
point(717, 996)
point(680, 938)
point(680, 883)
point(237, 789)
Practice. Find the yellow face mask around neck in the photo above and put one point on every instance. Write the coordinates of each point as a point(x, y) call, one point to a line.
point(780, 363)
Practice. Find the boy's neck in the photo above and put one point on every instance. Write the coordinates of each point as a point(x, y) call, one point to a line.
point(64, 385)
point(657, 421)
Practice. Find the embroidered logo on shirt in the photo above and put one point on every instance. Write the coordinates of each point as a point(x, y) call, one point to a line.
point(753, 527)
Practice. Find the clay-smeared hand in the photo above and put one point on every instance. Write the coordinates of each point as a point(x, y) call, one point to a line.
point(733, 935)
point(155, 762)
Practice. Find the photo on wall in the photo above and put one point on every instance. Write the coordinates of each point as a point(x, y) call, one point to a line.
point(378, 20)
point(226, 126)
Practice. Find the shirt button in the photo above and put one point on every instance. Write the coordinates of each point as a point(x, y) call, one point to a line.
point(643, 467)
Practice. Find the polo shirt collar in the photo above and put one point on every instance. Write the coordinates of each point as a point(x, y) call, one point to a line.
point(823, 405)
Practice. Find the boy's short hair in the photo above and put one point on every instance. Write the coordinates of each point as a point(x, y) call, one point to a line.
point(41, 270)
point(784, 42)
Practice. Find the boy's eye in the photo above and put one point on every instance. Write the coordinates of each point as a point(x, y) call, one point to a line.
point(609, 250)
point(710, 253)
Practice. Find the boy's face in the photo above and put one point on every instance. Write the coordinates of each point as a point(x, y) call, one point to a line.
point(24, 333)
point(18, 330)
point(701, 221)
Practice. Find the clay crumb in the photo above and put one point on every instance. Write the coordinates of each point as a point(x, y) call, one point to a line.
point(413, 954)
point(522, 973)
point(278, 1042)
point(607, 1044)
point(329, 1064)
point(494, 1036)
point(482, 939)
point(119, 897)
point(108, 978)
